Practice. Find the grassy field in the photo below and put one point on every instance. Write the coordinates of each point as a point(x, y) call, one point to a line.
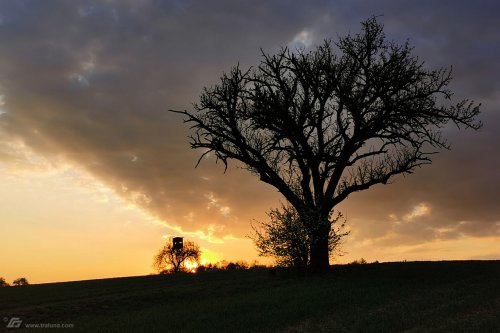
point(459, 296)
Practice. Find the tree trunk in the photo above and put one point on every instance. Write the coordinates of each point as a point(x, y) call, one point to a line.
point(320, 256)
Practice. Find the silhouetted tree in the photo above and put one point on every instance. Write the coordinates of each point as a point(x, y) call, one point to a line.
point(20, 282)
point(320, 125)
point(3, 283)
point(168, 256)
point(231, 266)
point(286, 238)
point(240, 264)
point(202, 269)
point(360, 261)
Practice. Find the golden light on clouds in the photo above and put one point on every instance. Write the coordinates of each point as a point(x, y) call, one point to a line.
point(419, 210)
point(94, 171)
point(2, 103)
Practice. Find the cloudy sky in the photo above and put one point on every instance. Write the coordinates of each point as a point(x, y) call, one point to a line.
point(95, 173)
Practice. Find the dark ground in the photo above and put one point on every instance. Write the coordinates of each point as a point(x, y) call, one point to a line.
point(448, 296)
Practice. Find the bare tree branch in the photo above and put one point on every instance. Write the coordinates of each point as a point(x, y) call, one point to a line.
point(322, 124)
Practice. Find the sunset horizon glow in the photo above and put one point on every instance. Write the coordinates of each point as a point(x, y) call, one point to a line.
point(96, 174)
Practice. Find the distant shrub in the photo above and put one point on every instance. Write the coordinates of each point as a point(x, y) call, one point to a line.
point(20, 282)
point(206, 268)
point(201, 269)
point(243, 264)
point(3, 283)
point(360, 261)
point(256, 264)
point(237, 265)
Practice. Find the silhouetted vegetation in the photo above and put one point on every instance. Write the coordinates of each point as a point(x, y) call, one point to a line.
point(286, 238)
point(322, 124)
point(3, 283)
point(237, 265)
point(20, 282)
point(172, 259)
point(360, 261)
point(224, 265)
point(385, 297)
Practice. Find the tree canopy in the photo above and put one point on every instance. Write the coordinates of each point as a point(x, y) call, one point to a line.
point(20, 282)
point(321, 124)
point(3, 283)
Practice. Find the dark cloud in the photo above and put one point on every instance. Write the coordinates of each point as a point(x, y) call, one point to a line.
point(90, 83)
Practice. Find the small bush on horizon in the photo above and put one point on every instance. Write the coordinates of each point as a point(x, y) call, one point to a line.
point(20, 282)
point(360, 261)
point(237, 265)
point(3, 283)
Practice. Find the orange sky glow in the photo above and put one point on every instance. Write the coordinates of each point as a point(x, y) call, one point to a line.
point(96, 175)
point(71, 227)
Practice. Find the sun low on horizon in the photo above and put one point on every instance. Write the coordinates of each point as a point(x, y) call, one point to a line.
point(96, 174)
